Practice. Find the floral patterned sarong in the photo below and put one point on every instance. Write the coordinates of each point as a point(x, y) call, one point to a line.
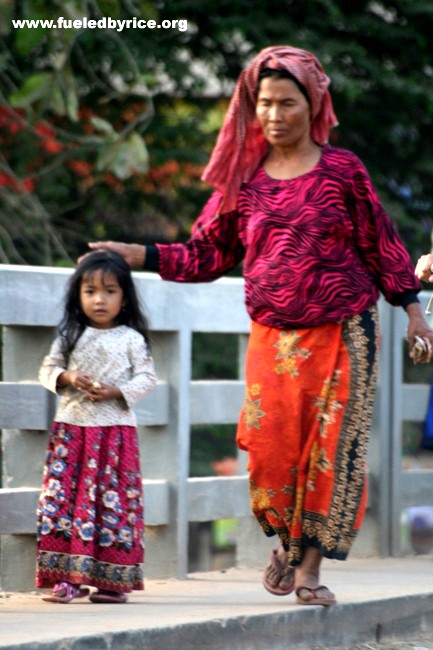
point(90, 512)
point(305, 424)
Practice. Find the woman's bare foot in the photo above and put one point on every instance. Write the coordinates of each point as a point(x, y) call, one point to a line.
point(309, 591)
point(279, 578)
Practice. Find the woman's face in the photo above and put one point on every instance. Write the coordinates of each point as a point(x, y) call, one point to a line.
point(283, 112)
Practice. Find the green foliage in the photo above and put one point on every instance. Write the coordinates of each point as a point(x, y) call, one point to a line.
point(130, 116)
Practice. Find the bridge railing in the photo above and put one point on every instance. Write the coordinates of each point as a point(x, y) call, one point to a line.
point(30, 307)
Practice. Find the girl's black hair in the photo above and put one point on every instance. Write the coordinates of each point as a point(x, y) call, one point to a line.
point(282, 73)
point(74, 321)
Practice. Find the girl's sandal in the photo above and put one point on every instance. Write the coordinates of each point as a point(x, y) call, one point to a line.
point(278, 572)
point(64, 592)
point(102, 596)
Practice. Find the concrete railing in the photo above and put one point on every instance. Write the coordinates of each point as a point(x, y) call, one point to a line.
point(30, 307)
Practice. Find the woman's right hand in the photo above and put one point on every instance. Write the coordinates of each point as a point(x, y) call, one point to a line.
point(133, 254)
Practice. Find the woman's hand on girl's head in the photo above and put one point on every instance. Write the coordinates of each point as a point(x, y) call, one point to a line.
point(133, 254)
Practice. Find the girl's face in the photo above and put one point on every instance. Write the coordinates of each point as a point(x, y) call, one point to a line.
point(283, 112)
point(101, 299)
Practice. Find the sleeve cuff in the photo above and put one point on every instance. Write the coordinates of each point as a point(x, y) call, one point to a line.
point(151, 262)
point(408, 297)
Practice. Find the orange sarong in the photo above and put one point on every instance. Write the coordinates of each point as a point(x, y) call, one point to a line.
point(305, 424)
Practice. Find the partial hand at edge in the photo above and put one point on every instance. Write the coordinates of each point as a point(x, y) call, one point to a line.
point(418, 327)
point(423, 269)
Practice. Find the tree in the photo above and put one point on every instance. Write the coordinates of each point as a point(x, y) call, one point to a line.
point(104, 133)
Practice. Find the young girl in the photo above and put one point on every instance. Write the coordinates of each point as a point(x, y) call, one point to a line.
point(90, 512)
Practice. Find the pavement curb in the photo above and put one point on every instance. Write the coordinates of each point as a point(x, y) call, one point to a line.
point(295, 629)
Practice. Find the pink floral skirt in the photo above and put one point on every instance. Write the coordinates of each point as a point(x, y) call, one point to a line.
point(90, 511)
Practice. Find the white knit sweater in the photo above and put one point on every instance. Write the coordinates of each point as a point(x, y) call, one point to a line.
point(118, 357)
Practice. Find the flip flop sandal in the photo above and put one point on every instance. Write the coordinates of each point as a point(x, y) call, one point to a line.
point(64, 592)
point(101, 596)
point(282, 570)
point(315, 598)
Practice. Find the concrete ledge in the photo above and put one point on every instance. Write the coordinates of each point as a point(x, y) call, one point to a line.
point(41, 292)
point(28, 405)
point(208, 499)
point(295, 630)
point(152, 410)
point(18, 507)
point(218, 498)
point(25, 405)
point(414, 401)
point(416, 487)
point(216, 401)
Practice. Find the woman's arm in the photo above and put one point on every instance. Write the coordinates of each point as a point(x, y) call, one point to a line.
point(378, 242)
point(213, 249)
point(386, 258)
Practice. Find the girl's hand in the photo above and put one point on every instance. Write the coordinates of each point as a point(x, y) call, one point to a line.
point(76, 378)
point(98, 392)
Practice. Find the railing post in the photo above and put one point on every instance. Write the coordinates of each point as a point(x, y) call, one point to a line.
point(165, 454)
point(399, 325)
point(23, 452)
point(183, 451)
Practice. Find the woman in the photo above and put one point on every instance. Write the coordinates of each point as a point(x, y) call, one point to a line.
point(317, 248)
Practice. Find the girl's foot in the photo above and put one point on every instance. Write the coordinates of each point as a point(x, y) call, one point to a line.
point(105, 596)
point(64, 592)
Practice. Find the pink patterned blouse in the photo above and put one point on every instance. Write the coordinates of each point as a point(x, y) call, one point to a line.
point(315, 249)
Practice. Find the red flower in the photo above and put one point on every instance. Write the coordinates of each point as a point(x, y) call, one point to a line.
point(51, 146)
point(80, 167)
point(85, 113)
point(45, 130)
point(28, 184)
point(9, 120)
point(5, 180)
point(112, 182)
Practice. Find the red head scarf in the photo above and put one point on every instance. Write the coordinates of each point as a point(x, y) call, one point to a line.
point(241, 144)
